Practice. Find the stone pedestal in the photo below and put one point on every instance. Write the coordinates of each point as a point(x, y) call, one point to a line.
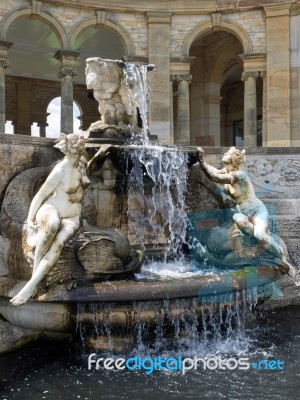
point(66, 73)
point(250, 109)
point(159, 55)
point(4, 46)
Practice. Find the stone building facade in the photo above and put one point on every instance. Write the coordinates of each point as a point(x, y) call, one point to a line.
point(227, 71)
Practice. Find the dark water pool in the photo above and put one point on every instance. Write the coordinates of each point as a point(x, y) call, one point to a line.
point(48, 370)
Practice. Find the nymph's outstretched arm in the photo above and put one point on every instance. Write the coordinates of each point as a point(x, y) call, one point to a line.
point(216, 175)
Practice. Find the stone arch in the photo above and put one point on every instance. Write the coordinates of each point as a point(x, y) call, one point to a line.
point(229, 72)
point(11, 16)
point(92, 22)
point(230, 27)
point(218, 64)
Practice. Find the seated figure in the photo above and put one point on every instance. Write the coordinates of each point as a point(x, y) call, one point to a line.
point(54, 214)
point(251, 215)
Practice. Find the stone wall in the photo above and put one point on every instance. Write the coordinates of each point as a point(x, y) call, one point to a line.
point(19, 153)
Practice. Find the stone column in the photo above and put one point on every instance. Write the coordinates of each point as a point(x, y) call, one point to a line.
point(159, 54)
point(263, 76)
point(278, 74)
point(66, 73)
point(183, 109)
point(171, 112)
point(24, 120)
point(42, 126)
point(198, 130)
point(295, 74)
point(250, 109)
point(4, 46)
point(211, 102)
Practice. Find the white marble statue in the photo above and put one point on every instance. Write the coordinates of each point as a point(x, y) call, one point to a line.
point(251, 215)
point(54, 214)
point(116, 107)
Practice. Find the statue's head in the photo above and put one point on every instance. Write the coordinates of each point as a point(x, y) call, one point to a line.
point(72, 143)
point(234, 156)
point(103, 74)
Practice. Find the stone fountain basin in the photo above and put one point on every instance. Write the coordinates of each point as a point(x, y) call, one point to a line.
point(56, 310)
point(120, 153)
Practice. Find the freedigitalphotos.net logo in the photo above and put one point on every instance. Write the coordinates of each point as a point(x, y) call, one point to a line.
point(149, 365)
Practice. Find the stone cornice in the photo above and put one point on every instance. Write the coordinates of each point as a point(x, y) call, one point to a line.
point(185, 7)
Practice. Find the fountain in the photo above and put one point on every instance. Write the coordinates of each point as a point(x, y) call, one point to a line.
point(85, 224)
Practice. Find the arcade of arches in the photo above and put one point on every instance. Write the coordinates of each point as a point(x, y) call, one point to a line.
point(227, 72)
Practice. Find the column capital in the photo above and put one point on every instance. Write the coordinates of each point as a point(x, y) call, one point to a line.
point(42, 124)
point(263, 74)
point(181, 78)
point(4, 64)
point(66, 58)
point(4, 45)
point(249, 74)
point(66, 71)
point(66, 55)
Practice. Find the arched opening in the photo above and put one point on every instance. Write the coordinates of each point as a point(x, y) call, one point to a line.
point(29, 79)
point(97, 42)
point(217, 91)
point(215, 54)
point(53, 121)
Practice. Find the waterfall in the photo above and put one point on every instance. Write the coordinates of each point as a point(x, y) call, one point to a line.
point(156, 196)
point(187, 327)
point(137, 82)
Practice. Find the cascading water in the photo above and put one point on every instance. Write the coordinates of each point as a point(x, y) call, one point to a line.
point(161, 211)
point(157, 178)
point(137, 81)
point(187, 327)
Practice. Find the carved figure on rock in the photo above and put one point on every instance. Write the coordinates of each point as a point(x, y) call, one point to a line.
point(54, 214)
point(116, 87)
point(251, 215)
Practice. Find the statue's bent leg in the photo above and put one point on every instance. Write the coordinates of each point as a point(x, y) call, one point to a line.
point(67, 231)
point(243, 223)
point(242, 226)
point(49, 223)
point(261, 232)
